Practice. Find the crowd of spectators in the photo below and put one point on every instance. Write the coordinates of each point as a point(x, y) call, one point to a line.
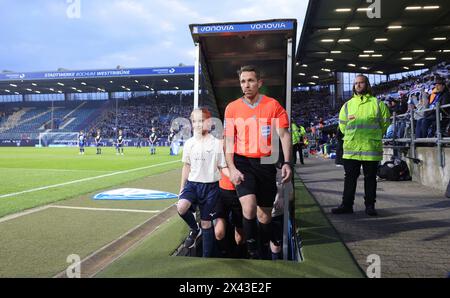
point(310, 108)
point(411, 93)
point(2, 115)
point(137, 116)
point(5, 112)
point(417, 94)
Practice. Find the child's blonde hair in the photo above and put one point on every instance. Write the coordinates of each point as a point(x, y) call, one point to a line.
point(205, 112)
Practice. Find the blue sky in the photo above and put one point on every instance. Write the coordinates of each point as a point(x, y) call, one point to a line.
point(43, 35)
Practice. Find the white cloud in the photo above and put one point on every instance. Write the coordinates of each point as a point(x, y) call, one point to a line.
point(134, 33)
point(268, 9)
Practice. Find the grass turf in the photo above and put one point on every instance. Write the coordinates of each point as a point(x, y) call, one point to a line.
point(325, 255)
point(38, 244)
point(323, 250)
point(27, 168)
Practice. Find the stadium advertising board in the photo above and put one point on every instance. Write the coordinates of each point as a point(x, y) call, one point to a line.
point(84, 74)
point(251, 27)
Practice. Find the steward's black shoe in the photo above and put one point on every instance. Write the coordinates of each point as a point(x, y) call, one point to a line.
point(342, 210)
point(370, 210)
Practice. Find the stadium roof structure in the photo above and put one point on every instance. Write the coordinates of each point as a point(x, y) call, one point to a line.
point(91, 81)
point(224, 47)
point(341, 36)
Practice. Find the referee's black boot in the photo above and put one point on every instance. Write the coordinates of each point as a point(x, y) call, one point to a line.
point(253, 255)
point(342, 209)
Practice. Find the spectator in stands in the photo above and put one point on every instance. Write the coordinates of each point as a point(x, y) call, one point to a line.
point(402, 104)
point(255, 182)
point(363, 120)
point(416, 103)
point(401, 122)
point(419, 114)
point(203, 159)
point(393, 105)
point(440, 95)
point(333, 142)
point(390, 131)
point(323, 140)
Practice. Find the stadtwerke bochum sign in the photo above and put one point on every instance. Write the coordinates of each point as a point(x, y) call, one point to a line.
point(84, 74)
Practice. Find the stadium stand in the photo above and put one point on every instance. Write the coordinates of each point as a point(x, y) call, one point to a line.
point(135, 116)
point(138, 115)
point(313, 109)
point(35, 117)
point(311, 106)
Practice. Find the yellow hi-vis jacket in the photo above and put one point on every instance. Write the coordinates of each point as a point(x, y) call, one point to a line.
point(298, 134)
point(303, 137)
point(295, 134)
point(363, 120)
point(302, 131)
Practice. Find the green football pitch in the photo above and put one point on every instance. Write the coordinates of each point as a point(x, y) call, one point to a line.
point(32, 177)
point(47, 214)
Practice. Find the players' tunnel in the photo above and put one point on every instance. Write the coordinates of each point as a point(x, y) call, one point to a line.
point(221, 50)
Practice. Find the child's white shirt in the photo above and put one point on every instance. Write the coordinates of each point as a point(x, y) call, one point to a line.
point(206, 156)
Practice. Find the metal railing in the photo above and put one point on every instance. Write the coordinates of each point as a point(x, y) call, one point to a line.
point(439, 140)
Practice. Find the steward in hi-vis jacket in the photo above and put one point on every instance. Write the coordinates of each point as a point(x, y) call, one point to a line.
point(363, 120)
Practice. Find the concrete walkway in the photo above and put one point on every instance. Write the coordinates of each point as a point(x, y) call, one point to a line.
point(411, 234)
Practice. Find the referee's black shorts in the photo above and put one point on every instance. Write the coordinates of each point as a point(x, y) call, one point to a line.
point(260, 180)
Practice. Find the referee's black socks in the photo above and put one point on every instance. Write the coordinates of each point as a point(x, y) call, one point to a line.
point(251, 230)
point(265, 233)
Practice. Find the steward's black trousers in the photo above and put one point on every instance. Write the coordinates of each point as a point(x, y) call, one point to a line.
point(352, 171)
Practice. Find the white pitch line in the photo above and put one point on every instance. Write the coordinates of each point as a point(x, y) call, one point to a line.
point(37, 209)
point(104, 209)
point(20, 214)
point(56, 170)
point(85, 179)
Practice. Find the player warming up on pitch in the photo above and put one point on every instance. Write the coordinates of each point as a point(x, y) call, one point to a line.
point(119, 143)
point(81, 142)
